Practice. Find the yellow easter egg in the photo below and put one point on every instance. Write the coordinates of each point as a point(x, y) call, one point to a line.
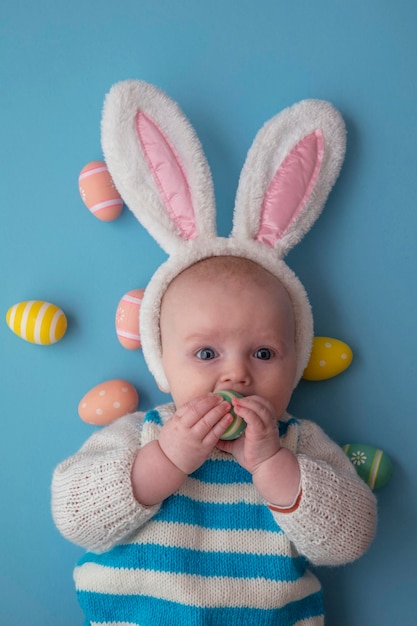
point(329, 357)
point(37, 321)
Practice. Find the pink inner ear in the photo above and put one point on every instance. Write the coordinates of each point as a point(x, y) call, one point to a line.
point(168, 174)
point(290, 188)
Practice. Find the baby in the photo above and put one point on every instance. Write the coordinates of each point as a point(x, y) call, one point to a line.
point(183, 527)
point(195, 530)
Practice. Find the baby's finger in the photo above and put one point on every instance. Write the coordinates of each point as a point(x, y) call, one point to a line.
point(192, 411)
point(213, 435)
point(254, 409)
point(213, 421)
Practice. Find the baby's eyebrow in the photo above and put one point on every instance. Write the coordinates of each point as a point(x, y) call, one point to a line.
point(200, 337)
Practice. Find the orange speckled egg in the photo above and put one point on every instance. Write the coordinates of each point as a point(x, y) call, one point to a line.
point(98, 191)
point(108, 401)
point(127, 319)
point(329, 357)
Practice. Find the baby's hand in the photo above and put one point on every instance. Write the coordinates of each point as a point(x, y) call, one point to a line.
point(188, 438)
point(275, 470)
point(261, 439)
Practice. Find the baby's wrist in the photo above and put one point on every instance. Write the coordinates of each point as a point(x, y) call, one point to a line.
point(166, 459)
point(278, 480)
point(154, 476)
point(290, 508)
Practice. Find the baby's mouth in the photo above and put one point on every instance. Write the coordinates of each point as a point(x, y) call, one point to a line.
point(235, 392)
point(229, 392)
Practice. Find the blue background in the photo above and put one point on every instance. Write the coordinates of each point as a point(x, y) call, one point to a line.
point(231, 65)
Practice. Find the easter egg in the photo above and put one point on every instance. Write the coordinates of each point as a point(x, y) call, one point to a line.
point(98, 191)
point(107, 401)
point(372, 464)
point(37, 321)
point(127, 319)
point(238, 426)
point(329, 357)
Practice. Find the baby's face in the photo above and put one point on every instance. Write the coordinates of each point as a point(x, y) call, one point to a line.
point(228, 334)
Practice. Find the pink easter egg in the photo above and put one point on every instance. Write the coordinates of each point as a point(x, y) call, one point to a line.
point(127, 319)
point(108, 401)
point(98, 191)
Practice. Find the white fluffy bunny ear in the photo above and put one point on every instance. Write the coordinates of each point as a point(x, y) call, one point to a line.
point(157, 164)
point(289, 171)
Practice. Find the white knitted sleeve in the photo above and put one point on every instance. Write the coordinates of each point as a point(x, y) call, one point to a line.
point(92, 499)
point(336, 518)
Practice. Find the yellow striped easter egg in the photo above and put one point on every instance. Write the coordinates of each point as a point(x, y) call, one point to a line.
point(329, 357)
point(37, 321)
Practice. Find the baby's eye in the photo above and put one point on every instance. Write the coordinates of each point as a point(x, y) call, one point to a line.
point(206, 354)
point(264, 354)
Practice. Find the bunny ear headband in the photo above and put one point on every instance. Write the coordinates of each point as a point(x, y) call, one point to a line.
point(159, 168)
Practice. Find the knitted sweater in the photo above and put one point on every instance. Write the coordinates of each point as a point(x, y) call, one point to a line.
point(212, 553)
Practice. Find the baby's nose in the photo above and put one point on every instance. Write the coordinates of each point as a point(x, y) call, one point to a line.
point(236, 371)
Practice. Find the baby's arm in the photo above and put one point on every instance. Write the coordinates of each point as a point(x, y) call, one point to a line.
point(112, 486)
point(335, 520)
point(316, 496)
point(185, 442)
point(93, 503)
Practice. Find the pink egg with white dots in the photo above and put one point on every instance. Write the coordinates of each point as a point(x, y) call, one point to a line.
point(108, 401)
point(127, 319)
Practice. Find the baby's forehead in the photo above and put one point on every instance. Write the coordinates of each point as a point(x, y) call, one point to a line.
point(226, 269)
point(223, 276)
